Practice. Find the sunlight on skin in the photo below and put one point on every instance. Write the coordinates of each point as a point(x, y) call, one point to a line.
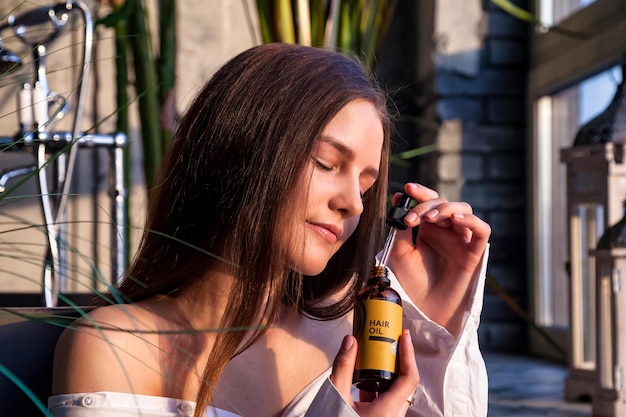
point(175, 345)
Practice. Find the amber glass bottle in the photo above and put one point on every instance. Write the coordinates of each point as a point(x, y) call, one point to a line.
point(377, 328)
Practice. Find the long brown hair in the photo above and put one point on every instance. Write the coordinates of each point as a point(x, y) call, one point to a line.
point(227, 189)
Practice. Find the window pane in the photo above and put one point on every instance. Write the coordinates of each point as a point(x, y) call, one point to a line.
point(586, 225)
point(607, 376)
point(552, 12)
point(559, 117)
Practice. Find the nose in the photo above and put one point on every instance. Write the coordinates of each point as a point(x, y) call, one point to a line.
point(347, 199)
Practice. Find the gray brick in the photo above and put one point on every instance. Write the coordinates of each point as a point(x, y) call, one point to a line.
point(502, 337)
point(460, 108)
point(449, 136)
point(483, 138)
point(454, 166)
point(481, 213)
point(506, 167)
point(473, 167)
point(511, 279)
point(451, 191)
point(501, 23)
point(496, 310)
point(489, 82)
point(506, 111)
point(508, 223)
point(506, 53)
point(507, 250)
point(494, 196)
point(449, 166)
point(490, 5)
point(465, 63)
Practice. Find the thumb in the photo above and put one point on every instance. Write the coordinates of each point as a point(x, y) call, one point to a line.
point(343, 368)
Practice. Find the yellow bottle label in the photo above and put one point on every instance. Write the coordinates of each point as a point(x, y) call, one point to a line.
point(377, 327)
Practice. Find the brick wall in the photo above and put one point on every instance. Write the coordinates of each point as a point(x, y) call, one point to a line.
point(458, 77)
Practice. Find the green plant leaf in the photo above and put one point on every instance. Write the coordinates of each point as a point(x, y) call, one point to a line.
point(284, 20)
point(526, 16)
point(318, 22)
point(412, 153)
point(265, 12)
point(516, 11)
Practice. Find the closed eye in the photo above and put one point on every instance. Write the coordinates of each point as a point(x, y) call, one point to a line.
point(321, 165)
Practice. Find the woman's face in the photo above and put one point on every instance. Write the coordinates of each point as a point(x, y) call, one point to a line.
point(343, 166)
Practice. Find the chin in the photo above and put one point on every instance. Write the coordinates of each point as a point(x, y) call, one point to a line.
point(314, 264)
point(315, 259)
point(310, 270)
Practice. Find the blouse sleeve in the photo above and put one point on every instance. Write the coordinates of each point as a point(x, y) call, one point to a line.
point(120, 404)
point(328, 402)
point(453, 377)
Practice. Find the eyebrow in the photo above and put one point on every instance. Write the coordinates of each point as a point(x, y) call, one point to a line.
point(348, 153)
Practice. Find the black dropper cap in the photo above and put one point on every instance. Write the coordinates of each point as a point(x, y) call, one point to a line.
point(395, 217)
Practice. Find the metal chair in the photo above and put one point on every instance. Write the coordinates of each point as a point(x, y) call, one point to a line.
point(39, 110)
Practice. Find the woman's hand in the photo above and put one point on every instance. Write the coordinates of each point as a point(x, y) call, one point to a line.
point(436, 271)
point(391, 403)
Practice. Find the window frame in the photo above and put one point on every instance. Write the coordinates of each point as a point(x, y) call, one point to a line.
point(556, 62)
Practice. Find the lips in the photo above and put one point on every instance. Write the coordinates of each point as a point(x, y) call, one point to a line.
point(328, 231)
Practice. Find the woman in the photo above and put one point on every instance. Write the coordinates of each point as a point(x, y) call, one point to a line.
point(266, 220)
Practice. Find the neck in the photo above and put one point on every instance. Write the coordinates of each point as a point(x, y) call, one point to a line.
point(202, 305)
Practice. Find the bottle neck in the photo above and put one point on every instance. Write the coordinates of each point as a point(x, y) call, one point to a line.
point(378, 276)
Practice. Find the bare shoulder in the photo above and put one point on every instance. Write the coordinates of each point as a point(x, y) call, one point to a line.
point(111, 349)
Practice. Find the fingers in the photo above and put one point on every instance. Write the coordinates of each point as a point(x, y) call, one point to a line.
point(343, 368)
point(408, 376)
point(420, 192)
point(436, 210)
point(480, 230)
point(392, 402)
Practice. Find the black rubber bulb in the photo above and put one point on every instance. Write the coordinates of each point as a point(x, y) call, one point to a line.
point(395, 217)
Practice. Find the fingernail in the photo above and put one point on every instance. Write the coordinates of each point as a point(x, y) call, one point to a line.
point(406, 333)
point(411, 217)
point(432, 214)
point(412, 185)
point(347, 343)
point(458, 215)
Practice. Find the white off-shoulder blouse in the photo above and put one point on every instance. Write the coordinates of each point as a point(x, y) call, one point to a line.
point(453, 378)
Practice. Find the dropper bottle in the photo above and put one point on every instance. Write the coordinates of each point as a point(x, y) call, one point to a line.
point(378, 316)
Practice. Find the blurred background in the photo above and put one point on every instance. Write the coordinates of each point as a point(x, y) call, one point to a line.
point(491, 96)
